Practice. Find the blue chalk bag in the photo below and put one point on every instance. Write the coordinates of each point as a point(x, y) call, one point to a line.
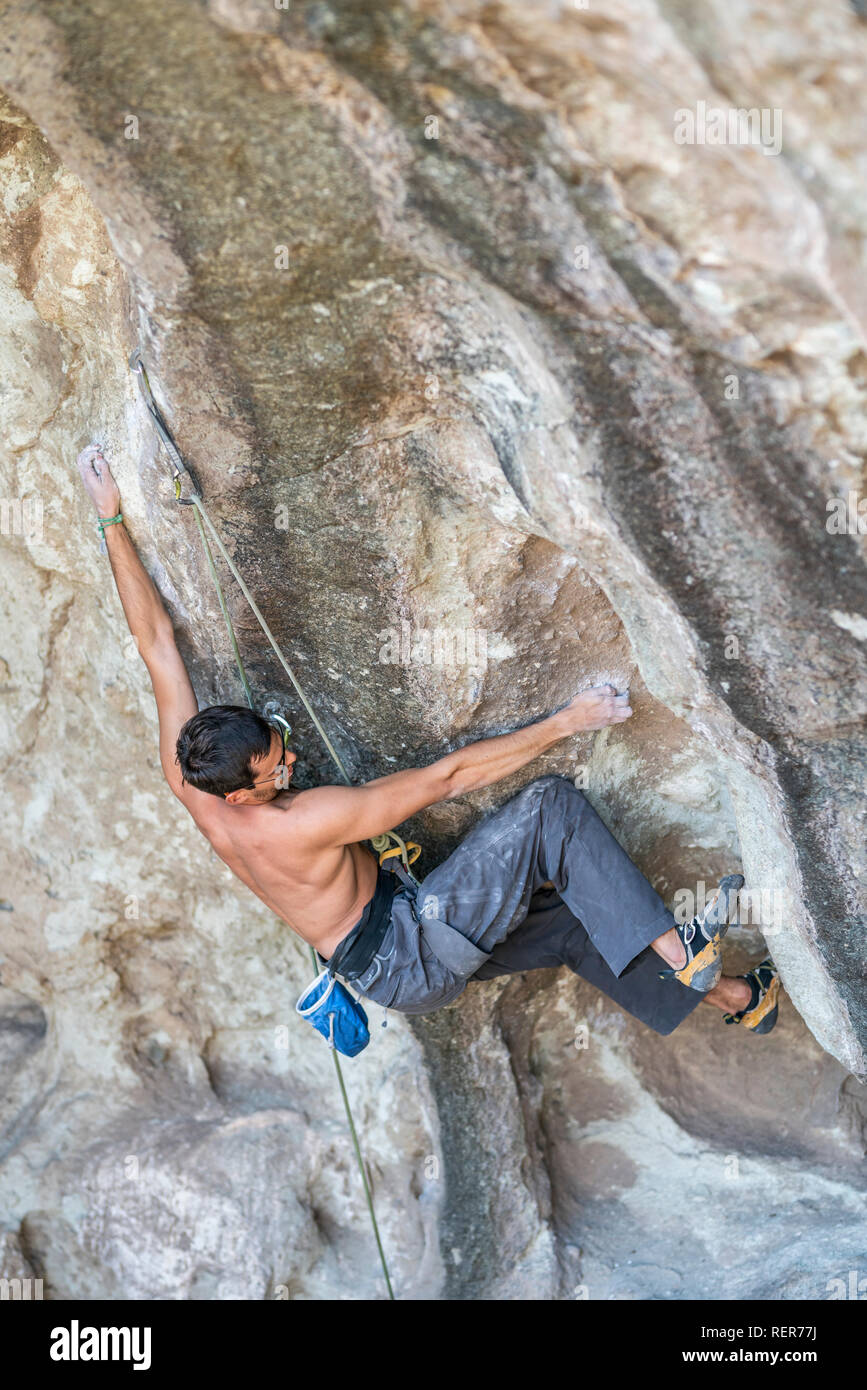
point(341, 1020)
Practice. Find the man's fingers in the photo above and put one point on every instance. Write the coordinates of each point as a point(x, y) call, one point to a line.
point(89, 457)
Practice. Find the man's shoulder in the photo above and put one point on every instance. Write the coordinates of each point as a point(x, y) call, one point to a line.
point(305, 811)
point(242, 824)
point(295, 822)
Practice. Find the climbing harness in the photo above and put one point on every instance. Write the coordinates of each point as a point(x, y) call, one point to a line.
point(456, 952)
point(343, 1022)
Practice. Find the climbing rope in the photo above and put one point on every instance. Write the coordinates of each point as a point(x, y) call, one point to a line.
point(380, 842)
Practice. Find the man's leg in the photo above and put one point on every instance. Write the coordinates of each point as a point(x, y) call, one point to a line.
point(549, 832)
point(551, 936)
point(732, 994)
point(492, 890)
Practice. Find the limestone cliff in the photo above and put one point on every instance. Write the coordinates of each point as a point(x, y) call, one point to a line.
point(458, 336)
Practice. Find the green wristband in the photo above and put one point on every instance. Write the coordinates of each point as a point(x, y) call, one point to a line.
point(107, 521)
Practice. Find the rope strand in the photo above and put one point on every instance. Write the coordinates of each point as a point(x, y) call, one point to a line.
point(200, 507)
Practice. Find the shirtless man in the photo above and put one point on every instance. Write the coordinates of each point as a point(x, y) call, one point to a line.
point(302, 852)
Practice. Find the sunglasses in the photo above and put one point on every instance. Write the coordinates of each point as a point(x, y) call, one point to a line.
point(281, 767)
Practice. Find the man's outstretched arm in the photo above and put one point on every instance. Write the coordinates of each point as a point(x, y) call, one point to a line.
point(344, 815)
point(148, 621)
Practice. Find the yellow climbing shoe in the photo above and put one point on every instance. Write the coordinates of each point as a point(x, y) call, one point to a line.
point(701, 939)
point(761, 1013)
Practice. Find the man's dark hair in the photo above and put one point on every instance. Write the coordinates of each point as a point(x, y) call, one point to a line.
point(215, 746)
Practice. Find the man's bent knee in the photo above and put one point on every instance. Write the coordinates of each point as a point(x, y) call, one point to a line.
point(539, 787)
point(551, 787)
point(557, 784)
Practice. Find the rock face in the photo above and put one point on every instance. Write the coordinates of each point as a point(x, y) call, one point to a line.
point(459, 336)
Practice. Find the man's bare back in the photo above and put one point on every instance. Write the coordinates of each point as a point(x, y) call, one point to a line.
point(303, 852)
point(320, 894)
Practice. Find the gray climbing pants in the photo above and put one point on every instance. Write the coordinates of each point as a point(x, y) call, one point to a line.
point(598, 918)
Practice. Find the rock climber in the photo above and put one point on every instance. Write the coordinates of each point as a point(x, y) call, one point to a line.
point(539, 882)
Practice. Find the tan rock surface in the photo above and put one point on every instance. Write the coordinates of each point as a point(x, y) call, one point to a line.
point(490, 390)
